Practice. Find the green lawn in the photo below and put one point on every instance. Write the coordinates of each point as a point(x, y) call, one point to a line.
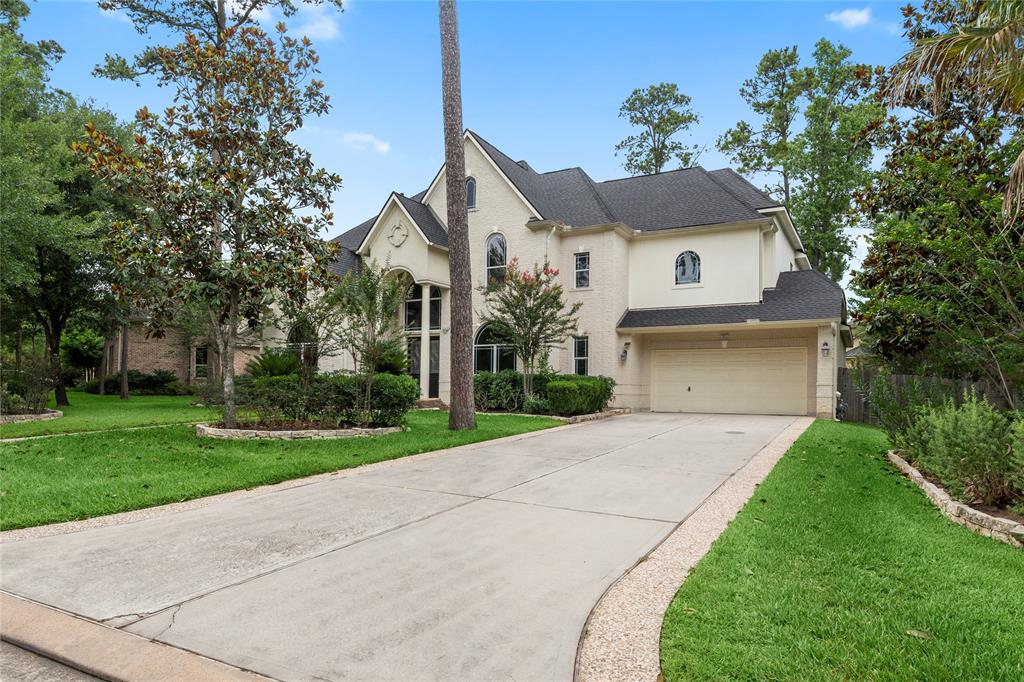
point(76, 477)
point(840, 569)
point(89, 412)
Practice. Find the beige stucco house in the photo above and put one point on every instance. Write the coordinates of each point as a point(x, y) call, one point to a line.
point(697, 295)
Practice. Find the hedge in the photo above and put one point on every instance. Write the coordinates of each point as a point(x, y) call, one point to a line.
point(503, 391)
point(160, 382)
point(330, 399)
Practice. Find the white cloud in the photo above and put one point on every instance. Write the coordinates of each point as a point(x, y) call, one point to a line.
point(319, 22)
point(851, 18)
point(363, 141)
point(116, 15)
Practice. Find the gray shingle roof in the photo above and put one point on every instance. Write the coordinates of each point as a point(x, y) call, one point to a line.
point(682, 198)
point(743, 189)
point(798, 295)
point(426, 220)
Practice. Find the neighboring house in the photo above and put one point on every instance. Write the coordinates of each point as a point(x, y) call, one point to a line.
point(860, 356)
point(189, 358)
point(697, 295)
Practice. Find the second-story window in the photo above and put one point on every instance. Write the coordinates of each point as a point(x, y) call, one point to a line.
point(470, 192)
point(414, 308)
point(497, 258)
point(582, 280)
point(435, 308)
point(688, 268)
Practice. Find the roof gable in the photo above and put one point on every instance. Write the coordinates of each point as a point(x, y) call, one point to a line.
point(421, 217)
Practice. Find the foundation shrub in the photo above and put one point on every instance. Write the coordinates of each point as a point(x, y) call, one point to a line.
point(969, 448)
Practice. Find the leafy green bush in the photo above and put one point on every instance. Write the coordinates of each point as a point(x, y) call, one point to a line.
point(274, 363)
point(564, 397)
point(536, 405)
point(968, 448)
point(25, 390)
point(140, 383)
point(503, 392)
point(82, 348)
point(498, 391)
point(896, 406)
point(330, 400)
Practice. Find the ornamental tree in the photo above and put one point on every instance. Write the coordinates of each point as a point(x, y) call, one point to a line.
point(528, 312)
point(229, 209)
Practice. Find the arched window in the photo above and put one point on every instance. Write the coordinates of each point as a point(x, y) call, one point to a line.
point(470, 192)
point(687, 268)
point(489, 354)
point(497, 258)
point(435, 308)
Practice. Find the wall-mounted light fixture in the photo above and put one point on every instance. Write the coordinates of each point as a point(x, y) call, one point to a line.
point(625, 351)
point(824, 349)
point(724, 338)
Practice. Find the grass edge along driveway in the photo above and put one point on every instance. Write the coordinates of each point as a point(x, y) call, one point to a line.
point(67, 478)
point(89, 412)
point(839, 568)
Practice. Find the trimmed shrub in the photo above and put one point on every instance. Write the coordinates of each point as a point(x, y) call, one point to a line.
point(503, 392)
point(139, 383)
point(25, 390)
point(330, 399)
point(498, 391)
point(564, 397)
point(968, 448)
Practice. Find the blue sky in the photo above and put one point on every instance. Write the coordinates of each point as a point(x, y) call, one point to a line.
point(541, 80)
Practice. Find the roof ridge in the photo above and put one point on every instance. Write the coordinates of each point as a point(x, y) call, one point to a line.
point(597, 195)
point(734, 195)
point(651, 175)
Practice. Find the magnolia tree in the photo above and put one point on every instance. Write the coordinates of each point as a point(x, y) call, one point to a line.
point(229, 208)
point(528, 312)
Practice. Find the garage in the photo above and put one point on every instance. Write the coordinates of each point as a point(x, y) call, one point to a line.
point(730, 380)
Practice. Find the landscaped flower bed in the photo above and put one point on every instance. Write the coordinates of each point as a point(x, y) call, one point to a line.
point(971, 450)
point(323, 405)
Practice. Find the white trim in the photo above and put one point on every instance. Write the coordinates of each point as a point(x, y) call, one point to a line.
point(393, 197)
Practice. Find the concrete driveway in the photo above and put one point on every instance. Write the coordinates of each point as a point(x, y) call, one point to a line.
point(479, 563)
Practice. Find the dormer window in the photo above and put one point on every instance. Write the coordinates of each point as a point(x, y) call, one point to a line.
point(470, 192)
point(687, 268)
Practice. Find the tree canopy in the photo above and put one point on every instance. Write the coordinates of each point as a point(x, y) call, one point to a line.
point(661, 112)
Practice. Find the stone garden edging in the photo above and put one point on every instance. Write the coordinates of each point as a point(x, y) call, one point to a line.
point(207, 431)
point(1004, 530)
point(43, 416)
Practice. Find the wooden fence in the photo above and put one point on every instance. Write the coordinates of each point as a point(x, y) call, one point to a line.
point(853, 385)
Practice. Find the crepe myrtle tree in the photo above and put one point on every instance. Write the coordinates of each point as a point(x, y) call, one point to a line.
point(366, 306)
point(230, 208)
point(527, 311)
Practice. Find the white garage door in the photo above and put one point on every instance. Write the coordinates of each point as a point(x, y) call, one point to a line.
point(730, 380)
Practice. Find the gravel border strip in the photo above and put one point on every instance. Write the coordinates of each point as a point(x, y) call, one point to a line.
point(621, 639)
point(1004, 530)
point(199, 502)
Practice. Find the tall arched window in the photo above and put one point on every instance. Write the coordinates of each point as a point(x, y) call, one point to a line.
point(470, 192)
point(489, 354)
point(687, 268)
point(497, 258)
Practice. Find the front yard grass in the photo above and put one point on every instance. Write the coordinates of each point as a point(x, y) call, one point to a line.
point(76, 477)
point(840, 569)
point(89, 412)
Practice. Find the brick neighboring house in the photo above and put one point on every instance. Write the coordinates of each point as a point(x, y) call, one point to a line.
point(188, 357)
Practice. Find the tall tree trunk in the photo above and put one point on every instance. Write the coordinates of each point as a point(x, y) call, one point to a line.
point(103, 366)
point(53, 332)
point(17, 348)
point(124, 361)
point(462, 414)
point(227, 364)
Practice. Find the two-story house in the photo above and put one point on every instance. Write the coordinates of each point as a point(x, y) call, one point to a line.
point(697, 295)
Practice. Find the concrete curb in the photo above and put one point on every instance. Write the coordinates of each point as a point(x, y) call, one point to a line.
point(1004, 530)
point(199, 502)
point(621, 640)
point(103, 651)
